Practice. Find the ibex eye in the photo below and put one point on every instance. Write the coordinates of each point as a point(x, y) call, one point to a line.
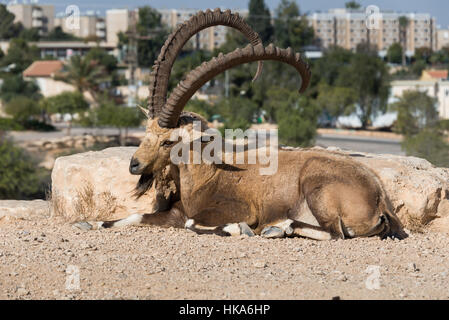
point(166, 143)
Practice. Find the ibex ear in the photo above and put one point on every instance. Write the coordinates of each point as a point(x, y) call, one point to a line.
point(146, 112)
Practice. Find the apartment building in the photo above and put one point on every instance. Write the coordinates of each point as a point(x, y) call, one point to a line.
point(118, 20)
point(348, 28)
point(442, 38)
point(34, 16)
point(208, 39)
point(90, 25)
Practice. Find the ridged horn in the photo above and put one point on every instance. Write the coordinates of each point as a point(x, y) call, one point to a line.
point(195, 79)
point(160, 74)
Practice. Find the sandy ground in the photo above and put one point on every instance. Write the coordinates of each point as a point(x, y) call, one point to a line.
point(40, 259)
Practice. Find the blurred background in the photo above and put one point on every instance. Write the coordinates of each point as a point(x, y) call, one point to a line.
point(72, 74)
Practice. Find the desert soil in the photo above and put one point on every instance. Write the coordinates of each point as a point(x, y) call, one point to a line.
point(39, 259)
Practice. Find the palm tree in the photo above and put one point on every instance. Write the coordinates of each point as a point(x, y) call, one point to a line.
point(85, 75)
point(403, 24)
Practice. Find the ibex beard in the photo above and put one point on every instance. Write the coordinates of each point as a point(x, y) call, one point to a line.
point(312, 193)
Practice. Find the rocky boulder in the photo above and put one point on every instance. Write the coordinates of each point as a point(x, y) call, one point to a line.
point(419, 192)
point(96, 185)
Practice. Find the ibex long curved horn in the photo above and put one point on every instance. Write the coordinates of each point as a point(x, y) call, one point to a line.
point(160, 75)
point(198, 77)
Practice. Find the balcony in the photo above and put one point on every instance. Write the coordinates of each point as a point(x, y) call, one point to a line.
point(37, 23)
point(37, 14)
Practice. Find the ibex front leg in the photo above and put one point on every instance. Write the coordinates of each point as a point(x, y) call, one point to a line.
point(172, 218)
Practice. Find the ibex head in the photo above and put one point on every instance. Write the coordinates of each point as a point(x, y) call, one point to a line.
point(164, 115)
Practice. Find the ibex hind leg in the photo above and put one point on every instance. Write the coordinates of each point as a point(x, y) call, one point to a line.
point(281, 229)
point(229, 229)
point(166, 219)
point(305, 230)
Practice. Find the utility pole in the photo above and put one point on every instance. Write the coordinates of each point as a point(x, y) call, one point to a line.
point(132, 59)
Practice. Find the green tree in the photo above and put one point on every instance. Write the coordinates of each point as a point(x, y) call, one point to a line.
point(237, 112)
point(120, 117)
point(291, 29)
point(19, 176)
point(297, 120)
point(259, 18)
point(8, 29)
point(20, 54)
point(416, 112)
point(57, 34)
point(22, 109)
point(201, 107)
point(336, 101)
point(85, 74)
point(403, 25)
point(368, 76)
point(149, 25)
point(424, 133)
point(423, 54)
point(394, 53)
point(103, 58)
point(15, 85)
point(429, 144)
point(30, 34)
point(352, 5)
point(440, 57)
point(418, 67)
point(328, 68)
point(186, 63)
point(66, 103)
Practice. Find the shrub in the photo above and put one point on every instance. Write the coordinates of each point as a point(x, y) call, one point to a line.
point(22, 109)
point(20, 178)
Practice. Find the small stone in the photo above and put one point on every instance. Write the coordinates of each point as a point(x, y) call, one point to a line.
point(342, 277)
point(260, 264)
point(412, 267)
point(22, 292)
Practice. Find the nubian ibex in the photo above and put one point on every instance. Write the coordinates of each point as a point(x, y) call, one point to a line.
point(316, 194)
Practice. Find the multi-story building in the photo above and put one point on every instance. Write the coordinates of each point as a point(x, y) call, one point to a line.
point(34, 15)
point(208, 39)
point(90, 25)
point(442, 38)
point(348, 28)
point(118, 20)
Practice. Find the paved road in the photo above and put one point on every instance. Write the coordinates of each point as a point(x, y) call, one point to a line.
point(362, 144)
point(21, 136)
point(347, 142)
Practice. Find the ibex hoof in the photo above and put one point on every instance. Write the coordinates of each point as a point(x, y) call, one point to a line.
point(83, 225)
point(273, 232)
point(245, 229)
point(86, 226)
